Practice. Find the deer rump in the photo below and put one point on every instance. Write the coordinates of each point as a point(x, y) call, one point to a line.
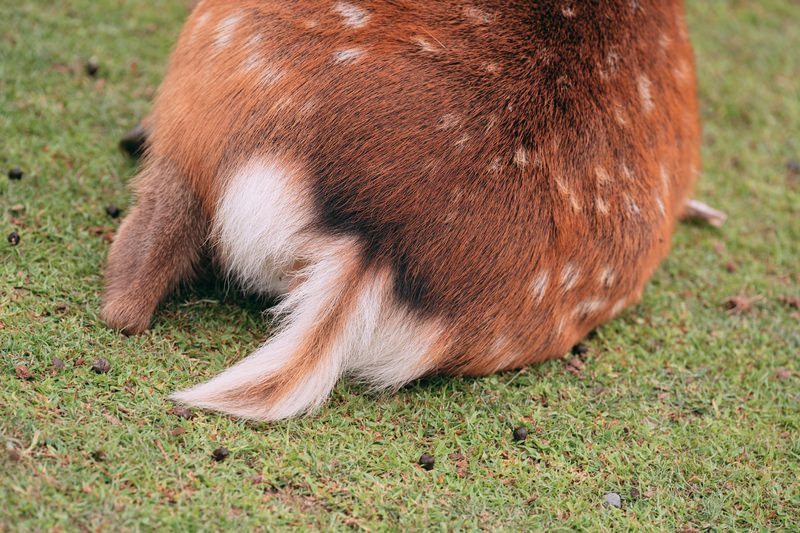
point(432, 187)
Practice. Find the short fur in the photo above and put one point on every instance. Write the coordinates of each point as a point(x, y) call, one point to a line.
point(434, 187)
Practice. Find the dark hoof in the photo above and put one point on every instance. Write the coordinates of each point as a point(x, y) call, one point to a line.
point(133, 142)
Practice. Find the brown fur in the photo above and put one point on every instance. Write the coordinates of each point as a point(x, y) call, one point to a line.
point(472, 148)
point(157, 246)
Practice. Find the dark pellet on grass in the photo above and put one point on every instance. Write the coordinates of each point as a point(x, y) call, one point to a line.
point(427, 461)
point(101, 366)
point(580, 349)
point(635, 493)
point(58, 363)
point(23, 372)
point(520, 434)
point(112, 211)
point(182, 412)
point(13, 238)
point(92, 67)
point(220, 454)
point(15, 174)
point(14, 454)
point(793, 166)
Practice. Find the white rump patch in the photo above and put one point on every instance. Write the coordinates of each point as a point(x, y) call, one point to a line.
point(338, 317)
point(258, 227)
point(353, 15)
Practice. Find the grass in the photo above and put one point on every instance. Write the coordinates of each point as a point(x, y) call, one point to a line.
point(696, 408)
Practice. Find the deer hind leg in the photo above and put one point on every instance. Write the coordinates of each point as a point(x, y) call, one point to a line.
point(157, 246)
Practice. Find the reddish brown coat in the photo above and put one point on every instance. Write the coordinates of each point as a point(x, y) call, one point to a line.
point(518, 166)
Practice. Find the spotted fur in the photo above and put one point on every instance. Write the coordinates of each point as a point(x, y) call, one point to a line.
point(432, 186)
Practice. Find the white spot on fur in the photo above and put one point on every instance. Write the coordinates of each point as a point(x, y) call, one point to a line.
point(619, 115)
point(348, 55)
point(267, 73)
point(627, 172)
point(660, 205)
point(447, 121)
point(602, 175)
point(664, 41)
point(608, 275)
point(664, 177)
point(566, 191)
point(308, 107)
point(588, 307)
point(619, 306)
point(631, 206)
point(682, 71)
point(491, 122)
point(225, 30)
point(503, 353)
point(538, 286)
point(495, 165)
point(568, 12)
point(477, 15)
point(491, 67)
point(601, 205)
point(462, 141)
point(353, 15)
point(562, 322)
point(423, 44)
point(521, 157)
point(609, 67)
point(202, 20)
point(645, 92)
point(569, 275)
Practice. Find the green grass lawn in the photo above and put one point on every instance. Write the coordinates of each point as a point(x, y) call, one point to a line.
point(686, 409)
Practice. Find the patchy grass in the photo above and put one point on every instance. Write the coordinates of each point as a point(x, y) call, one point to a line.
point(693, 405)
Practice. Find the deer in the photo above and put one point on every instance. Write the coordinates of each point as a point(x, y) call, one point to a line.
point(427, 187)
